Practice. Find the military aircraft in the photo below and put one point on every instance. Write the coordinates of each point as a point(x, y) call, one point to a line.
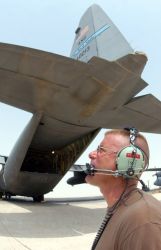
point(71, 99)
point(158, 175)
point(158, 180)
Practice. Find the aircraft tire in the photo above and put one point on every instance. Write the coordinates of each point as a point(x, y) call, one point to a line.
point(7, 196)
point(38, 198)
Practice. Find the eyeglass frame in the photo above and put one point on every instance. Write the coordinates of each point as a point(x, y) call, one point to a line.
point(105, 150)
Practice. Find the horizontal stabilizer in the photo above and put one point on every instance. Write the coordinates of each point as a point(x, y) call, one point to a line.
point(143, 112)
point(75, 97)
point(147, 105)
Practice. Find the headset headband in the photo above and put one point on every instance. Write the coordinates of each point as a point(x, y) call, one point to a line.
point(133, 134)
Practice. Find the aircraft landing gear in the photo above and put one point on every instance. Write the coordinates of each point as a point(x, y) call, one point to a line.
point(38, 198)
point(7, 196)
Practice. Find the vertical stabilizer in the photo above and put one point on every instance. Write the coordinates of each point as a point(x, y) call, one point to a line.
point(96, 35)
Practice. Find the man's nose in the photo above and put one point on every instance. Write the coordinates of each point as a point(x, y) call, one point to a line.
point(93, 154)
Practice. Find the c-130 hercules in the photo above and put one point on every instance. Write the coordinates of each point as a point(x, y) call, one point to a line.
point(71, 99)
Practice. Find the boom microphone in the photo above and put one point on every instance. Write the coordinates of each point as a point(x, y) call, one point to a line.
point(91, 170)
point(81, 171)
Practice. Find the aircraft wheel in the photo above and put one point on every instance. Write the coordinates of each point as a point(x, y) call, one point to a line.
point(38, 198)
point(7, 196)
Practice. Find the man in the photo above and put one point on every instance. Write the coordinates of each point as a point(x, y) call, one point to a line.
point(133, 219)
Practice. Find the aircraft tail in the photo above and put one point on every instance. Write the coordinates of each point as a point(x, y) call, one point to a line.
point(97, 35)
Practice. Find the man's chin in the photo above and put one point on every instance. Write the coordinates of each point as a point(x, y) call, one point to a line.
point(90, 180)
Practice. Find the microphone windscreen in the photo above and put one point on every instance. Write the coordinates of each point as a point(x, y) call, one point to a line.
point(78, 178)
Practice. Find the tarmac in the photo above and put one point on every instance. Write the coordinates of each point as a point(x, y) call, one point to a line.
point(50, 225)
point(55, 224)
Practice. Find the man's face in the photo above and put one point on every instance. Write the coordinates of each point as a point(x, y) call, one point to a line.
point(103, 158)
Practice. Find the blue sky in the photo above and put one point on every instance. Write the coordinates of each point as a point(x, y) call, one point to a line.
point(50, 25)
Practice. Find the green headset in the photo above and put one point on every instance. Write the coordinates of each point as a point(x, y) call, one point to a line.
point(130, 161)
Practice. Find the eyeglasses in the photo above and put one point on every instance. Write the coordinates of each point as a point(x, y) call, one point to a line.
point(101, 149)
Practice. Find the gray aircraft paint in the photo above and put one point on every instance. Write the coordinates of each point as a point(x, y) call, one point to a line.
point(70, 101)
point(102, 38)
point(158, 180)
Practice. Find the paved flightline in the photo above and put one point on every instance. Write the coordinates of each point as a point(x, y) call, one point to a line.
point(51, 225)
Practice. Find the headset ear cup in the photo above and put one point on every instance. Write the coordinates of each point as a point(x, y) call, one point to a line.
point(130, 161)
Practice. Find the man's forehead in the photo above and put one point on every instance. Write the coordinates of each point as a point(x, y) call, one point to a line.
point(116, 140)
point(108, 140)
